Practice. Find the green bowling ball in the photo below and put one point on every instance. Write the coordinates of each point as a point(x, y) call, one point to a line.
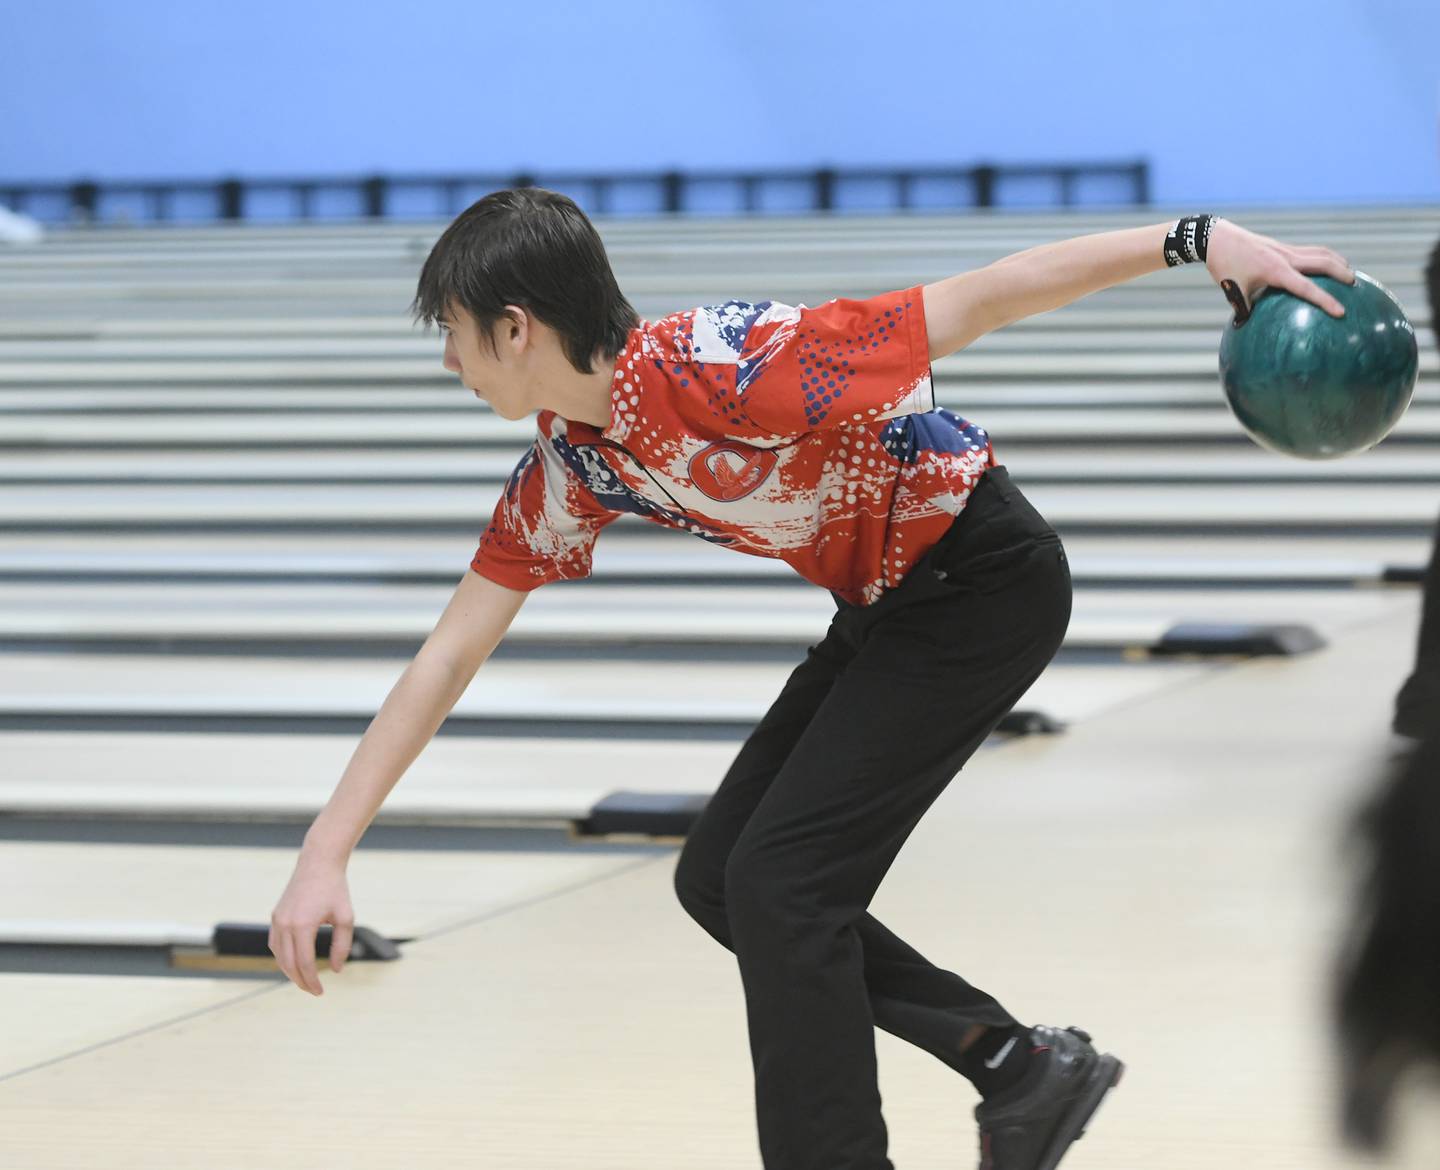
point(1305, 383)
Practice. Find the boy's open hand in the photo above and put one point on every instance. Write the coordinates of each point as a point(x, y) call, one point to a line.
point(1242, 263)
point(317, 893)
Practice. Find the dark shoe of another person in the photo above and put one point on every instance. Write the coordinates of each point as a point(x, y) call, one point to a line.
point(1031, 1124)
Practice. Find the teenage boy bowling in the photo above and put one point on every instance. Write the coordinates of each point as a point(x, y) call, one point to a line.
point(811, 435)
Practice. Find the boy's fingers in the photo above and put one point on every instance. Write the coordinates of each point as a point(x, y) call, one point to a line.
point(281, 949)
point(1324, 262)
point(1310, 291)
point(1344, 270)
point(340, 942)
point(290, 955)
point(305, 961)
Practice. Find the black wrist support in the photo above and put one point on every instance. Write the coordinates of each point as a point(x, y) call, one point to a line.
point(1189, 240)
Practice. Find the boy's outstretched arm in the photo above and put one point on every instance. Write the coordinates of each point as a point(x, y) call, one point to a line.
point(479, 613)
point(964, 307)
point(473, 624)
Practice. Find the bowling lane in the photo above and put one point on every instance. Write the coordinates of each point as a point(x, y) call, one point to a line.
point(46, 1017)
point(1158, 853)
point(721, 699)
point(443, 559)
point(1330, 505)
point(400, 429)
point(536, 780)
point(1029, 463)
point(597, 614)
point(145, 890)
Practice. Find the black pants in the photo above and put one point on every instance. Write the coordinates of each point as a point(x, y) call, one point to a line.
point(784, 861)
point(1417, 707)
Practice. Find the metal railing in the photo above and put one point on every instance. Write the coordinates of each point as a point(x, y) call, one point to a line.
point(671, 192)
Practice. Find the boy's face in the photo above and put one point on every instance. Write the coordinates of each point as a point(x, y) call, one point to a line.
point(495, 374)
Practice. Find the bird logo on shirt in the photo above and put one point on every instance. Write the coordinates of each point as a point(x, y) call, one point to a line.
point(730, 471)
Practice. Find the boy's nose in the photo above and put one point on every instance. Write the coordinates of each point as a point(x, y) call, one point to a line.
point(451, 361)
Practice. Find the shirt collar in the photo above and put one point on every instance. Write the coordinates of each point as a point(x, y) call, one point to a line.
point(627, 388)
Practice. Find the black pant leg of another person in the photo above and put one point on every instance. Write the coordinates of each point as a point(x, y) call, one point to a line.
point(785, 860)
point(1417, 707)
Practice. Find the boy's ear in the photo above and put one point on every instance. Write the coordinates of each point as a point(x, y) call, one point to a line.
point(514, 328)
point(508, 333)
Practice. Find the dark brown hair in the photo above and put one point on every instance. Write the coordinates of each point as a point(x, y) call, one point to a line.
point(534, 248)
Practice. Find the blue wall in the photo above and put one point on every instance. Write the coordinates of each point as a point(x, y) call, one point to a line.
point(1238, 101)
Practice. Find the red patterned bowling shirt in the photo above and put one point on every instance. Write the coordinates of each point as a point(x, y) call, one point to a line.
point(809, 435)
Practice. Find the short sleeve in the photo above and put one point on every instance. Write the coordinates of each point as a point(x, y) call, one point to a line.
point(843, 362)
point(545, 523)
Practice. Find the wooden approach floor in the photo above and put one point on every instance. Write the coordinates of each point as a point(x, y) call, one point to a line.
point(1166, 874)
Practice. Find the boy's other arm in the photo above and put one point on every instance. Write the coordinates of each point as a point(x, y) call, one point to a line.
point(962, 308)
point(475, 620)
